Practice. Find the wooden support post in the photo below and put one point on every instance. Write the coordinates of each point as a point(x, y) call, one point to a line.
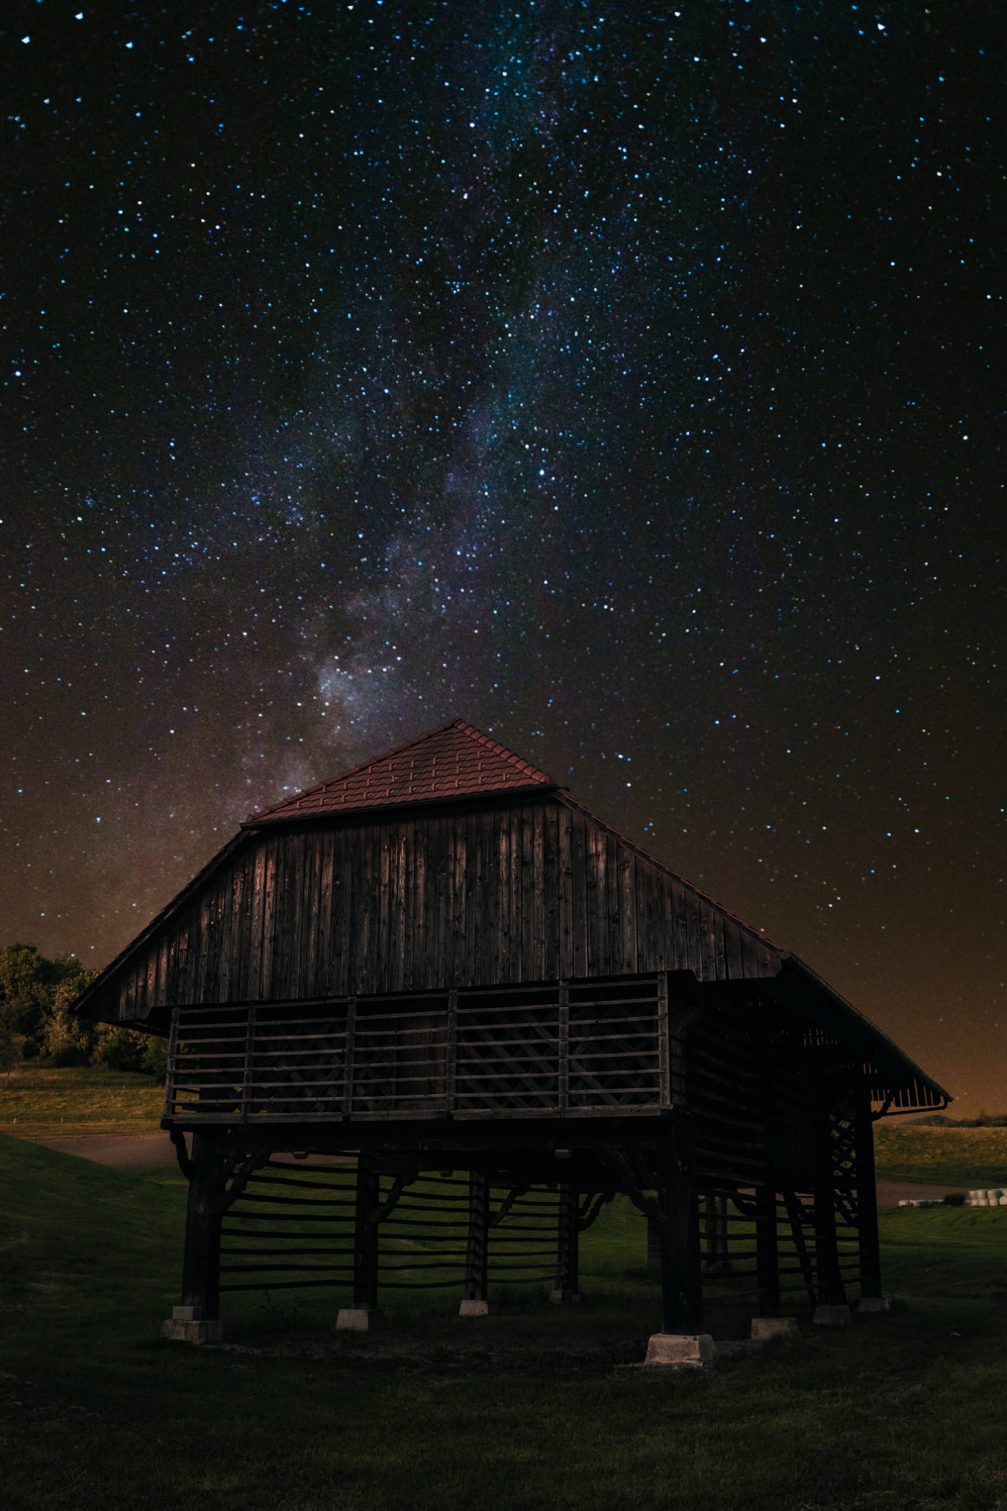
point(767, 1255)
point(363, 1315)
point(681, 1275)
point(828, 1277)
point(365, 1235)
point(653, 1248)
point(475, 1302)
point(867, 1206)
point(567, 1286)
point(715, 1232)
point(197, 1319)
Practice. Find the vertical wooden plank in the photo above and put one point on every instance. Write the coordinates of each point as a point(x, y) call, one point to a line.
point(418, 912)
point(397, 945)
point(550, 885)
point(231, 929)
point(613, 926)
point(538, 885)
point(381, 948)
point(628, 923)
point(182, 978)
point(565, 965)
point(438, 891)
point(505, 965)
point(339, 968)
point(256, 917)
point(693, 924)
point(323, 944)
point(474, 849)
point(732, 951)
point(517, 955)
point(680, 920)
point(290, 891)
point(526, 891)
point(268, 920)
point(310, 910)
point(719, 946)
point(597, 932)
point(456, 912)
point(579, 895)
point(485, 944)
point(370, 883)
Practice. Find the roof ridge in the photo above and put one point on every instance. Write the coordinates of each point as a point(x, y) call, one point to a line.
point(312, 800)
point(352, 770)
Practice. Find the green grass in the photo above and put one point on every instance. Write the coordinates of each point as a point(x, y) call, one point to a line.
point(955, 1156)
point(527, 1409)
point(38, 1101)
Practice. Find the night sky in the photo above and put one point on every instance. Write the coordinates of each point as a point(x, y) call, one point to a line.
point(615, 377)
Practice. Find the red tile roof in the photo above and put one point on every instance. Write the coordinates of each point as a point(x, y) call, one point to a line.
point(454, 760)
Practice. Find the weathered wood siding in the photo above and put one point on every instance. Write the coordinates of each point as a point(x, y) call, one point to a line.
point(518, 891)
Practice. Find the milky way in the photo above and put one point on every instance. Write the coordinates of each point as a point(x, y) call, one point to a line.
point(616, 378)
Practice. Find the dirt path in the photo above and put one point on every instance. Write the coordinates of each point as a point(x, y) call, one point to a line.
point(135, 1151)
point(891, 1192)
point(146, 1151)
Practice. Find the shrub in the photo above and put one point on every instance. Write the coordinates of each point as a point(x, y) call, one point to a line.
point(119, 1048)
point(65, 1039)
point(155, 1057)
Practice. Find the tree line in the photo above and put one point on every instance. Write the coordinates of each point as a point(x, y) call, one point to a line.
point(39, 1021)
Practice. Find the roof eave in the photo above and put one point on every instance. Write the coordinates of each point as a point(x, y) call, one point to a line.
point(794, 967)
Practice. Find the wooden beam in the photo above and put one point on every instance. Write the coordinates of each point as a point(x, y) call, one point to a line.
point(828, 1276)
point(867, 1204)
point(477, 1244)
point(681, 1276)
point(567, 1282)
point(201, 1257)
point(365, 1235)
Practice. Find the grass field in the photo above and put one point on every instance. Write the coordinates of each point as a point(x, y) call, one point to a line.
point(526, 1409)
point(42, 1102)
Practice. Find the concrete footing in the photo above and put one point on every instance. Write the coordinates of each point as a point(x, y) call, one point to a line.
point(874, 1304)
point(694, 1350)
point(832, 1316)
point(764, 1328)
point(563, 1298)
point(188, 1325)
point(359, 1319)
point(475, 1309)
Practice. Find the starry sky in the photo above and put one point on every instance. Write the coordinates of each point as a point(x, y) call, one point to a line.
point(617, 377)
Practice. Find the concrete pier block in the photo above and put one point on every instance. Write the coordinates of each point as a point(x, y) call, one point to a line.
point(874, 1304)
point(188, 1325)
point(563, 1298)
point(693, 1350)
point(475, 1309)
point(764, 1328)
point(359, 1319)
point(832, 1316)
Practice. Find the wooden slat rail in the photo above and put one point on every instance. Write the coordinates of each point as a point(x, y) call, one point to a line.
point(552, 1049)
